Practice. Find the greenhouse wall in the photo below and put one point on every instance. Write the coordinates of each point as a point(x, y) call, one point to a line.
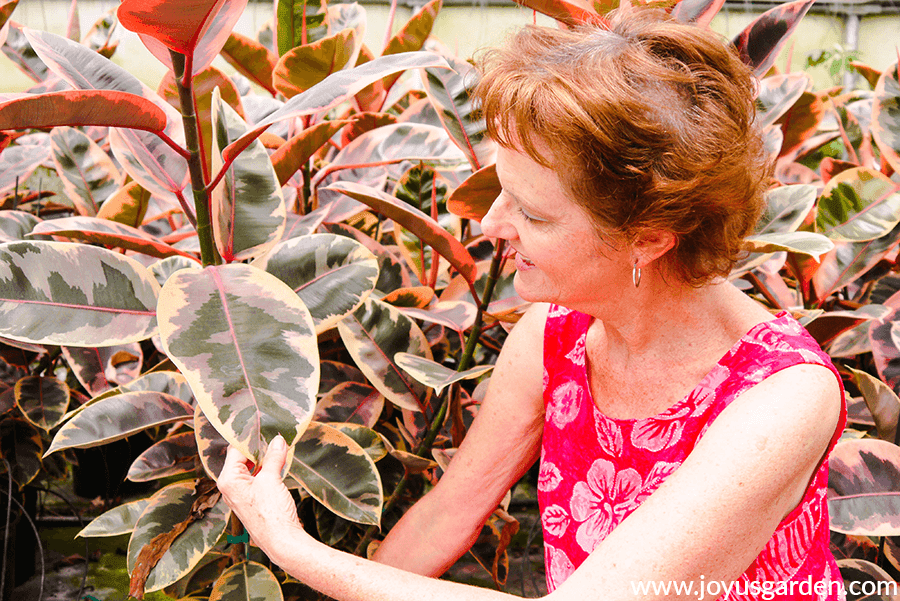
point(870, 29)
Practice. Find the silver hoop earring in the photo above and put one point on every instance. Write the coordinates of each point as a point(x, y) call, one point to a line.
point(636, 275)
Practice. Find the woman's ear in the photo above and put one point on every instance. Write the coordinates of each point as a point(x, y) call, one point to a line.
point(649, 246)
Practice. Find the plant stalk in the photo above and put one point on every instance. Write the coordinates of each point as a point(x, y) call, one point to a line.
point(208, 253)
point(438, 420)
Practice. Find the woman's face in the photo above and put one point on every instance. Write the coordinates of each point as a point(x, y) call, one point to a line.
point(558, 252)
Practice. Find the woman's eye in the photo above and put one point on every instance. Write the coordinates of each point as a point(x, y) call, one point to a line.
point(529, 218)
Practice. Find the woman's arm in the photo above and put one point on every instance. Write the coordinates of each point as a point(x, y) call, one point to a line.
point(710, 519)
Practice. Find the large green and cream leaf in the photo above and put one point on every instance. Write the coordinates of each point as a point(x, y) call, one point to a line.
point(168, 508)
point(171, 456)
point(863, 496)
point(75, 295)
point(331, 274)
point(246, 581)
point(451, 94)
point(248, 210)
point(338, 473)
point(116, 521)
point(88, 175)
point(374, 334)
point(246, 344)
point(886, 116)
point(858, 205)
point(102, 231)
point(434, 374)
point(803, 243)
point(117, 417)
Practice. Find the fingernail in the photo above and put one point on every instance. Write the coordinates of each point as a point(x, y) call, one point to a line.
point(278, 442)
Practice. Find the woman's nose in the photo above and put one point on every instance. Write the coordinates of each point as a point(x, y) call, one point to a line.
point(493, 224)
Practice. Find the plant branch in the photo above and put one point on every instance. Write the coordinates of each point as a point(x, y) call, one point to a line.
point(208, 253)
point(173, 145)
point(438, 420)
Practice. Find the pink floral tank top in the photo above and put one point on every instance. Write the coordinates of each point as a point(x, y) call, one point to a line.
point(595, 470)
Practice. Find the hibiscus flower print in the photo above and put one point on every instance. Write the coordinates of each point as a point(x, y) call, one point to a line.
point(558, 311)
point(565, 403)
point(558, 565)
point(705, 392)
point(549, 477)
point(576, 355)
point(658, 474)
point(555, 520)
point(602, 501)
point(660, 432)
point(609, 435)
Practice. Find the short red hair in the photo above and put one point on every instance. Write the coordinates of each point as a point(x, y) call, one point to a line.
point(649, 123)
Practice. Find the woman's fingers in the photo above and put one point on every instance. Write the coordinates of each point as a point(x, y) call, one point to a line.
point(275, 457)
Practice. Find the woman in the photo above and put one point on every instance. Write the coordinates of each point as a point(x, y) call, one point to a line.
point(683, 430)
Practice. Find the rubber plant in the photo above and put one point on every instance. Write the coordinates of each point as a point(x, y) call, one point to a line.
point(295, 250)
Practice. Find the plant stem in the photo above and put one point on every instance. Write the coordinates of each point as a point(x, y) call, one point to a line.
point(438, 420)
point(208, 253)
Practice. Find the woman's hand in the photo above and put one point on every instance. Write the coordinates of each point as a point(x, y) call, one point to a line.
point(262, 501)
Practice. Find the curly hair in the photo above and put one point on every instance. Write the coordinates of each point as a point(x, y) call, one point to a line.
point(649, 124)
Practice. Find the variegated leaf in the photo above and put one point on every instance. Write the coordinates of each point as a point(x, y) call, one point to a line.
point(390, 144)
point(335, 89)
point(420, 224)
point(211, 447)
point(18, 49)
point(167, 508)
point(116, 521)
point(17, 163)
point(863, 497)
point(102, 231)
point(373, 334)
point(248, 210)
point(886, 116)
point(117, 417)
point(350, 402)
point(100, 368)
point(331, 274)
point(786, 208)
point(145, 157)
point(456, 315)
point(251, 59)
point(434, 374)
point(16, 225)
point(163, 269)
point(247, 346)
point(127, 206)
point(858, 205)
point(338, 473)
point(883, 403)
point(171, 456)
point(43, 401)
point(778, 93)
point(76, 295)
point(803, 243)
point(88, 175)
point(246, 581)
point(304, 66)
point(451, 94)
point(371, 441)
point(848, 261)
point(473, 198)
point(168, 382)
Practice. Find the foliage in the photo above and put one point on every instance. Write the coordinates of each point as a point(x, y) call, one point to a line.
point(275, 253)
